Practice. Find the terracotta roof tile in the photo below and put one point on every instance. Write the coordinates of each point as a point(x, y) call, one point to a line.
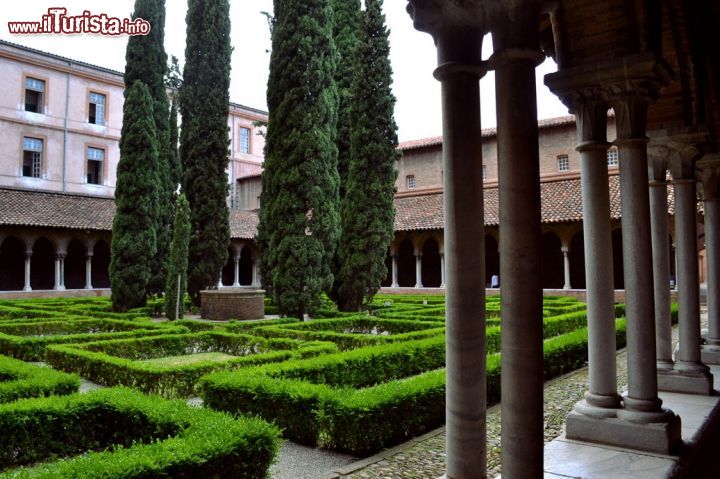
point(59, 210)
point(561, 202)
point(243, 224)
point(55, 210)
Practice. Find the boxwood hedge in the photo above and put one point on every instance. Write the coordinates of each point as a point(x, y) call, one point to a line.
point(28, 340)
point(19, 379)
point(121, 362)
point(370, 398)
point(119, 433)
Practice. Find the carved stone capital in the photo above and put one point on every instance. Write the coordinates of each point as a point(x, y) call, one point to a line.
point(438, 16)
point(630, 114)
point(658, 159)
point(708, 175)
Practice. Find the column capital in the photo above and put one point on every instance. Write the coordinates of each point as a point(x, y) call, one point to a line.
point(89, 254)
point(658, 158)
point(28, 254)
point(564, 250)
point(437, 16)
point(682, 158)
point(708, 174)
point(61, 255)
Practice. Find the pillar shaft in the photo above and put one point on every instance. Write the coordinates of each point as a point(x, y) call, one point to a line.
point(442, 270)
point(418, 270)
point(566, 266)
point(236, 281)
point(459, 58)
point(28, 260)
point(688, 357)
point(597, 238)
point(88, 271)
point(712, 252)
point(661, 273)
point(255, 273)
point(394, 283)
point(521, 290)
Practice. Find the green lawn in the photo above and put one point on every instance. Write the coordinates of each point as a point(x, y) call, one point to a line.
point(185, 359)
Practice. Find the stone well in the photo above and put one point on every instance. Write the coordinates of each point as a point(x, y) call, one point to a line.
point(232, 303)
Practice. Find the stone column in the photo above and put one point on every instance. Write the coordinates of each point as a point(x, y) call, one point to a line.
point(418, 269)
point(60, 271)
point(28, 260)
point(661, 259)
point(255, 272)
point(516, 56)
point(88, 270)
point(394, 283)
point(566, 266)
point(459, 70)
point(710, 177)
point(690, 374)
point(641, 404)
point(442, 269)
point(236, 282)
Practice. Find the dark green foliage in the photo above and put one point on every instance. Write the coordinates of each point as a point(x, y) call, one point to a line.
point(21, 380)
point(368, 208)
point(28, 340)
point(136, 198)
point(119, 362)
point(119, 433)
point(176, 281)
point(204, 100)
point(299, 223)
point(146, 61)
point(345, 34)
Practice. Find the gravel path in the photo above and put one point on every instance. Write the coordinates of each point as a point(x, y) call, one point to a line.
point(426, 459)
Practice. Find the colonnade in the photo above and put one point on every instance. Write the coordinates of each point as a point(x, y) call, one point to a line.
point(636, 419)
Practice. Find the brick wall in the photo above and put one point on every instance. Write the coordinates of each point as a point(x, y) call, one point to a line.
point(235, 303)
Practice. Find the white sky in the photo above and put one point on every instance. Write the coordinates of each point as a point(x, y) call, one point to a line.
point(412, 54)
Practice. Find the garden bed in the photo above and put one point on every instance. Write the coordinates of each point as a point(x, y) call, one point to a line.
point(118, 433)
point(167, 364)
point(19, 380)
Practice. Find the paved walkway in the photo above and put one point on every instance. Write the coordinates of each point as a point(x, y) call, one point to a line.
point(424, 457)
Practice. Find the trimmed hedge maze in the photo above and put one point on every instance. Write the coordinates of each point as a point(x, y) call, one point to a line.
point(351, 382)
point(22, 380)
point(119, 433)
point(171, 364)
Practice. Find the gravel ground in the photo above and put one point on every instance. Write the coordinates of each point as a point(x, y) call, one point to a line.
point(426, 459)
point(300, 462)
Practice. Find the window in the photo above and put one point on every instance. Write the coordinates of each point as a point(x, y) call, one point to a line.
point(34, 95)
point(95, 160)
point(32, 157)
point(612, 157)
point(563, 163)
point(244, 140)
point(410, 181)
point(96, 111)
point(484, 172)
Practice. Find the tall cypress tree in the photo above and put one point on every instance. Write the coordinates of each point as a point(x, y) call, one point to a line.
point(204, 100)
point(299, 220)
point(345, 34)
point(146, 60)
point(368, 206)
point(134, 240)
point(176, 279)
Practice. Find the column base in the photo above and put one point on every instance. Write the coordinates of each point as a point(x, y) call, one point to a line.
point(710, 354)
point(686, 382)
point(660, 437)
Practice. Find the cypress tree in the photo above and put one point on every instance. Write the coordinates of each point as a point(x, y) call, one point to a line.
point(133, 240)
point(368, 206)
point(178, 261)
point(299, 221)
point(345, 34)
point(146, 60)
point(204, 100)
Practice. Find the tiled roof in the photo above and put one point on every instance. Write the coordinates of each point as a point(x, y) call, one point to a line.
point(55, 210)
point(485, 133)
point(243, 224)
point(561, 202)
point(60, 210)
